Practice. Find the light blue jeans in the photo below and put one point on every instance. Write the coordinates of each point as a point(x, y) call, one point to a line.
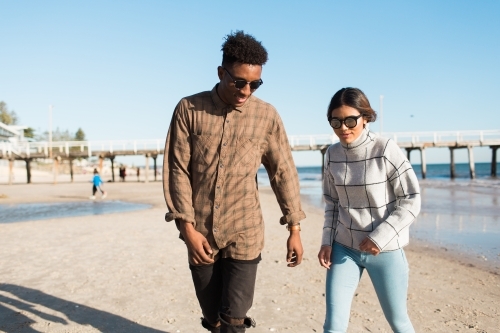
point(389, 274)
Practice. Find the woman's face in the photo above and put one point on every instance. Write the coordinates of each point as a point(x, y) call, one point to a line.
point(348, 135)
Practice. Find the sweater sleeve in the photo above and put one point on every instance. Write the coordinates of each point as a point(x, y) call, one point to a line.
point(331, 204)
point(406, 189)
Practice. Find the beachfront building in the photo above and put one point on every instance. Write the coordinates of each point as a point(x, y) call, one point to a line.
point(12, 133)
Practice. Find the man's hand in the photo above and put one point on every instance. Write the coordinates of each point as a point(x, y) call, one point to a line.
point(199, 251)
point(324, 256)
point(368, 246)
point(295, 250)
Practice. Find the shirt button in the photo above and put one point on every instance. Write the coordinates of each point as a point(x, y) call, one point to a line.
point(216, 206)
point(224, 144)
point(221, 166)
point(227, 121)
point(218, 186)
point(215, 229)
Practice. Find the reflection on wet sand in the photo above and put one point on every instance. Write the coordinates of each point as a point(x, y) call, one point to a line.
point(460, 200)
point(42, 211)
point(460, 215)
point(473, 234)
point(463, 215)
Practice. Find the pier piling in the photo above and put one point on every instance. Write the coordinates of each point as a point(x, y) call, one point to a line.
point(472, 171)
point(452, 163)
point(101, 160)
point(11, 171)
point(422, 159)
point(28, 170)
point(323, 152)
point(494, 160)
point(55, 168)
point(146, 171)
point(423, 163)
point(71, 169)
point(112, 159)
point(154, 165)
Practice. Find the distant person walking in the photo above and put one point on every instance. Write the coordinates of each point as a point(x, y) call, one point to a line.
point(96, 184)
point(372, 196)
point(138, 174)
point(123, 173)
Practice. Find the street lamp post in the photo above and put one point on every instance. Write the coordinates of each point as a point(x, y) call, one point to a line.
point(50, 131)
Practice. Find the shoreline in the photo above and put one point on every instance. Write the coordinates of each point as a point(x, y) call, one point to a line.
point(128, 272)
point(444, 251)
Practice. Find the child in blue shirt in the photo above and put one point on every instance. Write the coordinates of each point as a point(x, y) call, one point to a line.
point(96, 184)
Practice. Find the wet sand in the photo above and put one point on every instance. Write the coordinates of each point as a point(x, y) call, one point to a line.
point(127, 272)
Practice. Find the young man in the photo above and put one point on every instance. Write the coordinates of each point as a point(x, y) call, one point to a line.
point(215, 144)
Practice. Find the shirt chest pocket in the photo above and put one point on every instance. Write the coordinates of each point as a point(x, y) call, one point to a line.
point(246, 153)
point(205, 149)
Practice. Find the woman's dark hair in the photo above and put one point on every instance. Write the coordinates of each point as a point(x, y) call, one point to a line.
point(243, 48)
point(354, 98)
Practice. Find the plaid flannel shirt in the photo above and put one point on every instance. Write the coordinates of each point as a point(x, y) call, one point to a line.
point(212, 154)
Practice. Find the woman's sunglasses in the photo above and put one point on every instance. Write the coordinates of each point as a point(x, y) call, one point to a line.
point(349, 122)
point(240, 84)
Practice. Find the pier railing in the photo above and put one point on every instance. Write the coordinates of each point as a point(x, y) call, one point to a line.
point(22, 150)
point(81, 148)
point(446, 139)
point(408, 139)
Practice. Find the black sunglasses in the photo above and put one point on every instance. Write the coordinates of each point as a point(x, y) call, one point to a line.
point(240, 84)
point(349, 122)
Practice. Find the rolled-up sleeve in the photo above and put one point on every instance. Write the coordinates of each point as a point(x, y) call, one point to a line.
point(282, 172)
point(176, 175)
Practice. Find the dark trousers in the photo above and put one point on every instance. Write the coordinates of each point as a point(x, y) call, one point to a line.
point(227, 286)
point(94, 189)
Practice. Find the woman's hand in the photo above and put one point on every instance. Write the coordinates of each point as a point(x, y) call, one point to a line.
point(368, 246)
point(324, 256)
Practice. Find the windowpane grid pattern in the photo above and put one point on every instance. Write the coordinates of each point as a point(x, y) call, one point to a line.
point(370, 189)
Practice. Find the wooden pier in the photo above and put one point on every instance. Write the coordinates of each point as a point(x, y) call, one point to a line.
point(420, 141)
point(70, 150)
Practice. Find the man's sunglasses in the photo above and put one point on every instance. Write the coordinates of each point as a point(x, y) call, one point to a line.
point(349, 122)
point(240, 84)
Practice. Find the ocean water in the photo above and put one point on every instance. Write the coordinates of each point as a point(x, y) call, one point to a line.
point(42, 211)
point(460, 215)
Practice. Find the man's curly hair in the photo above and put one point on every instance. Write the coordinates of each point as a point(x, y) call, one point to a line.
point(243, 48)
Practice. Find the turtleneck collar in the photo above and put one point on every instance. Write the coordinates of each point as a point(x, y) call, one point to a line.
point(365, 138)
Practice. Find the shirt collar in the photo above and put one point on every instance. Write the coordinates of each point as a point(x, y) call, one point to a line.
point(221, 105)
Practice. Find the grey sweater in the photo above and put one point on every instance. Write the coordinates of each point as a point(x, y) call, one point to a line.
point(370, 189)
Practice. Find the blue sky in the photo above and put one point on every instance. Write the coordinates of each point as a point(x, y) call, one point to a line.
point(118, 68)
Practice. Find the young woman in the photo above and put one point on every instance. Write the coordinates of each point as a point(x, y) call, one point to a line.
point(372, 196)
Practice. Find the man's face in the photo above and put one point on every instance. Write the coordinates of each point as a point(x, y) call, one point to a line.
point(237, 71)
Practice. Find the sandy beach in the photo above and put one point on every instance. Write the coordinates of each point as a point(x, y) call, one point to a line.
point(127, 272)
